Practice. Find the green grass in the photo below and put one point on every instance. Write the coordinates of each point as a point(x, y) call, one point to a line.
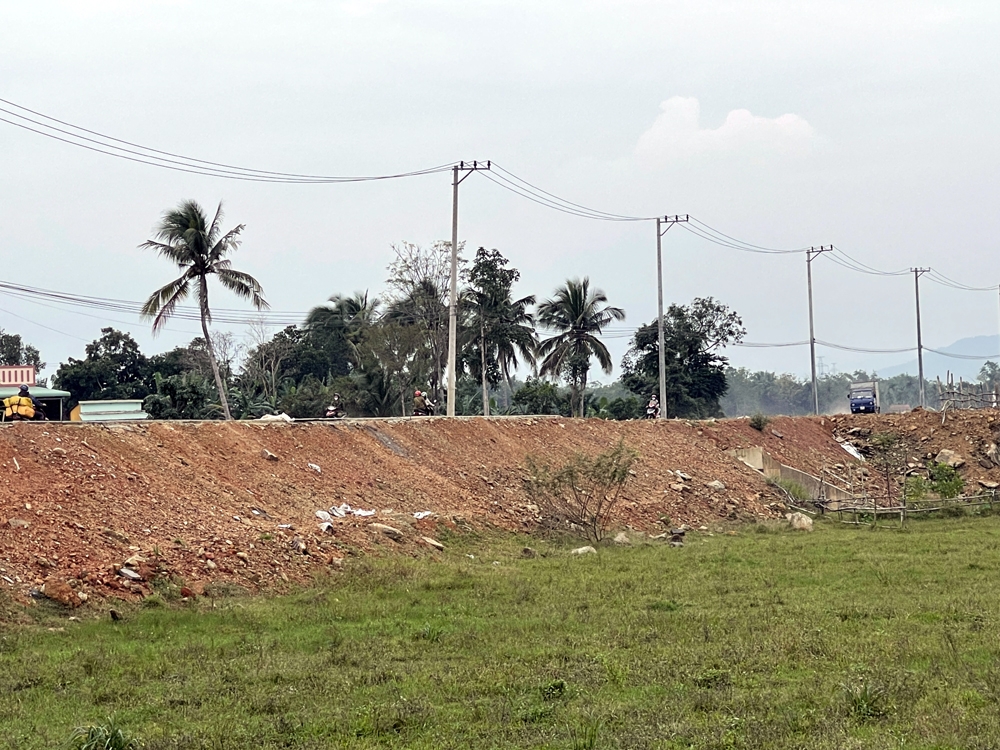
point(843, 638)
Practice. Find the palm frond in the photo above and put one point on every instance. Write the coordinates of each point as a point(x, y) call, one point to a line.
point(161, 303)
point(243, 285)
point(229, 242)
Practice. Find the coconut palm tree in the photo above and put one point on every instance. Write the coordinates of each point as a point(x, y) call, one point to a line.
point(348, 317)
point(185, 237)
point(578, 318)
point(501, 329)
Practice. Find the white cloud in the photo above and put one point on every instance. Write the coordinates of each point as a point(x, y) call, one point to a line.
point(677, 133)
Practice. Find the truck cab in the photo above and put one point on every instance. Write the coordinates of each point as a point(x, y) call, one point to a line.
point(863, 398)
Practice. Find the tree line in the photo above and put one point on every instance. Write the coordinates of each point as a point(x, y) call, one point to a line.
point(376, 351)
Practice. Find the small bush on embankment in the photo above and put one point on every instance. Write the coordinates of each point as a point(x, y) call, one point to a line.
point(582, 492)
point(846, 637)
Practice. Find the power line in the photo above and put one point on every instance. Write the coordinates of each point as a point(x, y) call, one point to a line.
point(105, 144)
point(595, 212)
point(740, 244)
point(841, 258)
point(939, 278)
point(963, 356)
point(841, 347)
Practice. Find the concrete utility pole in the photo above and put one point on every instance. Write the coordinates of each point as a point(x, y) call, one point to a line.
point(810, 254)
point(453, 298)
point(917, 273)
point(669, 221)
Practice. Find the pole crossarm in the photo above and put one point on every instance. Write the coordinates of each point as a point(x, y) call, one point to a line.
point(661, 354)
point(467, 167)
point(812, 253)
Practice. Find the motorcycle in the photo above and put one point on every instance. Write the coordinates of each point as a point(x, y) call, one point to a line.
point(335, 411)
point(652, 410)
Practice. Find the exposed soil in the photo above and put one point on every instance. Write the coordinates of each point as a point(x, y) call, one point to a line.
point(201, 504)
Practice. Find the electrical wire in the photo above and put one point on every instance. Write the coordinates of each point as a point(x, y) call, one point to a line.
point(745, 245)
point(42, 325)
point(841, 258)
point(866, 351)
point(939, 278)
point(697, 231)
point(963, 356)
point(105, 144)
point(755, 345)
point(596, 213)
point(540, 199)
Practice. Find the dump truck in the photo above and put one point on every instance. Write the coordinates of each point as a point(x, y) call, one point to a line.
point(864, 397)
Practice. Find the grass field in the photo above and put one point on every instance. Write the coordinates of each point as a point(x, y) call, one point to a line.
point(842, 638)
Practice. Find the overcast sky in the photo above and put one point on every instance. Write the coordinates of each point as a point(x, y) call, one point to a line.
point(869, 125)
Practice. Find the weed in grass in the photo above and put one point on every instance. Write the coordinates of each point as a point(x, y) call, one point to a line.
point(107, 736)
point(867, 700)
point(431, 633)
point(153, 601)
point(554, 690)
point(537, 714)
point(584, 736)
point(664, 606)
point(713, 679)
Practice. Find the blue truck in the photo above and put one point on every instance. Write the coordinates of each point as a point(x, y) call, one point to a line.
point(863, 398)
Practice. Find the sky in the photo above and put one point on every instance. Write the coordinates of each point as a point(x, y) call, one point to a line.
point(867, 125)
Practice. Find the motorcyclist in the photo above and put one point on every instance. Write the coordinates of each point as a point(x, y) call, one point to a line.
point(336, 409)
point(420, 404)
point(431, 405)
point(22, 406)
point(653, 408)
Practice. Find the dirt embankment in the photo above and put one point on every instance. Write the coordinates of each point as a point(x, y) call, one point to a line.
point(972, 436)
point(203, 503)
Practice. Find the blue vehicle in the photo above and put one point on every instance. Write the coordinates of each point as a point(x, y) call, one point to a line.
point(863, 398)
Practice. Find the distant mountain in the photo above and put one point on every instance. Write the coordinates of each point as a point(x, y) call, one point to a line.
point(938, 365)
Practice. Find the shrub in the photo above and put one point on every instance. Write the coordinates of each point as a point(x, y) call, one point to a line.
point(945, 481)
point(759, 421)
point(107, 736)
point(915, 489)
point(582, 492)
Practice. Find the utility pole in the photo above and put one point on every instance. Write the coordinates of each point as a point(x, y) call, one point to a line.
point(810, 254)
point(669, 221)
point(917, 273)
point(453, 298)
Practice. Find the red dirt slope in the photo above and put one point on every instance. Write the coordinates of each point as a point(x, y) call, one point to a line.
point(201, 503)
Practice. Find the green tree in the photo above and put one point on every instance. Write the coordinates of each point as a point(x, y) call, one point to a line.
point(13, 351)
point(185, 237)
point(188, 395)
point(113, 368)
point(537, 396)
point(577, 315)
point(501, 326)
point(989, 375)
point(695, 371)
point(341, 325)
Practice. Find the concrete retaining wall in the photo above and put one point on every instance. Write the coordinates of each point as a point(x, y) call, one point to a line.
point(759, 459)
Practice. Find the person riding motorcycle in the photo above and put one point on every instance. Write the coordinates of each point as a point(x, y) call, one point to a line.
point(336, 409)
point(420, 407)
point(431, 405)
point(653, 408)
point(22, 406)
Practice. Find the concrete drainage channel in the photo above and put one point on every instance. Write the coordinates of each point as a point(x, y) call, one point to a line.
point(820, 490)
